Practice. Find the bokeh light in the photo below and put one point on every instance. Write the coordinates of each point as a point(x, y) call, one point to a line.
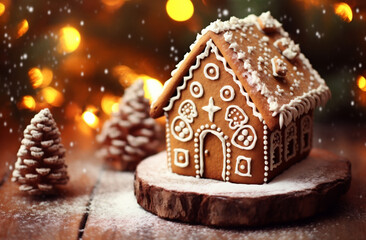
point(52, 96)
point(152, 87)
point(69, 39)
point(344, 11)
point(110, 104)
point(40, 78)
point(90, 118)
point(113, 4)
point(180, 10)
point(2, 8)
point(361, 83)
point(36, 77)
point(23, 27)
point(27, 102)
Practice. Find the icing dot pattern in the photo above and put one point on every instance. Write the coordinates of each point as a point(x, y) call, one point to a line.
point(245, 137)
point(181, 129)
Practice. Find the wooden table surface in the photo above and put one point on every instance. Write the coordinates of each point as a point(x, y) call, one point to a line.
point(98, 203)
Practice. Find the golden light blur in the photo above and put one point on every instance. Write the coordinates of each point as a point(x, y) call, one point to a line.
point(110, 104)
point(113, 4)
point(361, 83)
point(28, 102)
point(152, 87)
point(344, 11)
point(180, 10)
point(23, 27)
point(36, 77)
point(40, 78)
point(47, 75)
point(125, 75)
point(90, 118)
point(69, 39)
point(52, 96)
point(2, 8)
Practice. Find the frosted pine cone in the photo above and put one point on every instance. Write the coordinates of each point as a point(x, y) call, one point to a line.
point(131, 134)
point(41, 157)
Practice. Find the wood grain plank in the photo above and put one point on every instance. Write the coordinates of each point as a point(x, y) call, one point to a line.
point(58, 217)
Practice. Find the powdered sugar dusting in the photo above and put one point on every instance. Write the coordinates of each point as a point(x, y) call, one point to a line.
point(115, 214)
point(300, 177)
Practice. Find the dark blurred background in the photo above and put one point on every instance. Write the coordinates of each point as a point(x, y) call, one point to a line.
point(76, 57)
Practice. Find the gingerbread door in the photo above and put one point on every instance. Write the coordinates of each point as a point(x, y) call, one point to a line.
point(212, 154)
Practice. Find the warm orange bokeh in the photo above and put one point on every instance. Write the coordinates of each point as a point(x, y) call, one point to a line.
point(90, 118)
point(27, 102)
point(23, 27)
point(361, 83)
point(110, 104)
point(52, 96)
point(2, 8)
point(179, 10)
point(40, 78)
point(69, 39)
point(36, 77)
point(344, 11)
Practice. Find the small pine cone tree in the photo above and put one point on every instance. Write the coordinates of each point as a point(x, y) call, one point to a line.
point(41, 157)
point(131, 134)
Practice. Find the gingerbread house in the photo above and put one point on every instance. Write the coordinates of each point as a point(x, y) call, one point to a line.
point(239, 106)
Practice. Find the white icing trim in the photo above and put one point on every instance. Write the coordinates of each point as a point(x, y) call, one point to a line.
point(201, 143)
point(193, 113)
point(180, 138)
point(201, 91)
point(210, 46)
point(211, 109)
point(265, 152)
point(232, 123)
point(254, 141)
point(236, 80)
point(237, 171)
point(287, 112)
point(168, 145)
point(306, 130)
point(288, 138)
point(273, 147)
point(216, 71)
point(186, 157)
point(199, 57)
point(232, 93)
point(302, 104)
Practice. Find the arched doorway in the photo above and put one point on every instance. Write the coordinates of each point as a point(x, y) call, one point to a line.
point(210, 156)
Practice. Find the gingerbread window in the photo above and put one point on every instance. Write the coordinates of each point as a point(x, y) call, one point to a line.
point(181, 157)
point(306, 133)
point(290, 142)
point(243, 166)
point(276, 149)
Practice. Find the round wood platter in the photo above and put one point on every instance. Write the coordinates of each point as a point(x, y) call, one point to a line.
point(309, 187)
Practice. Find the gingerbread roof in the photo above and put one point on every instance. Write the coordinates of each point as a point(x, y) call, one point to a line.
point(278, 78)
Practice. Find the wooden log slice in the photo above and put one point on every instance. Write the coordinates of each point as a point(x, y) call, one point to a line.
point(307, 188)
